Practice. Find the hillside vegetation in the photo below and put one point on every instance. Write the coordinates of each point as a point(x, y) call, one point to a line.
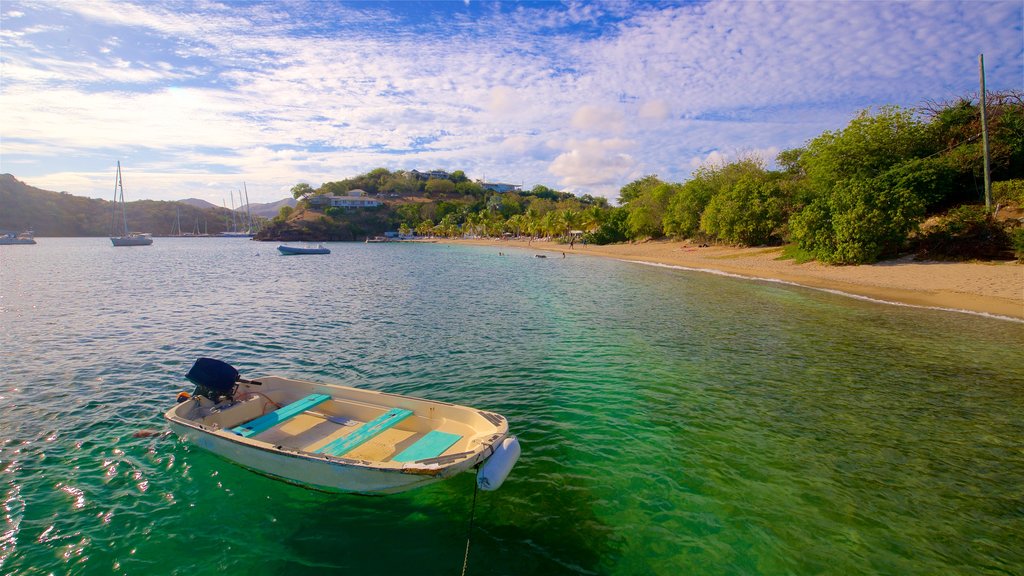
point(893, 180)
point(61, 214)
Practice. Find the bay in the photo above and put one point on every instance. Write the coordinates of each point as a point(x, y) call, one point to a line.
point(672, 422)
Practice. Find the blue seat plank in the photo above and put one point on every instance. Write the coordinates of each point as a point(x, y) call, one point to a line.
point(366, 432)
point(268, 421)
point(430, 446)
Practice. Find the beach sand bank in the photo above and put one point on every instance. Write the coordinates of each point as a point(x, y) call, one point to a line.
point(995, 288)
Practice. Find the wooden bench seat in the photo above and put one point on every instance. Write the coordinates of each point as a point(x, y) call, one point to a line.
point(268, 421)
point(365, 433)
point(432, 445)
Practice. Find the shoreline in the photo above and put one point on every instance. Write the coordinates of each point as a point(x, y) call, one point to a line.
point(994, 289)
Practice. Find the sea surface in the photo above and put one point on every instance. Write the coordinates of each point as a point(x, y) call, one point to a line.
point(672, 422)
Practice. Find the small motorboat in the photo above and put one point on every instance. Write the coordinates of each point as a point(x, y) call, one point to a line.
point(295, 250)
point(336, 438)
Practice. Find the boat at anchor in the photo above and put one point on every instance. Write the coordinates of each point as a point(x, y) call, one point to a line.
point(119, 234)
point(338, 438)
point(296, 250)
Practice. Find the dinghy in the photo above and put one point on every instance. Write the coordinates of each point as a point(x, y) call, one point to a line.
point(337, 438)
point(294, 250)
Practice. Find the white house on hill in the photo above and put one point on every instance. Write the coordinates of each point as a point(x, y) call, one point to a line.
point(353, 199)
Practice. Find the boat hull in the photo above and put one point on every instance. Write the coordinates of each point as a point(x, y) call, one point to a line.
point(131, 240)
point(293, 251)
point(304, 471)
point(297, 447)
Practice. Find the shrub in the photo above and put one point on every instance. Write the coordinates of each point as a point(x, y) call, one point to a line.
point(1008, 191)
point(1017, 242)
point(746, 213)
point(612, 230)
point(966, 232)
point(857, 222)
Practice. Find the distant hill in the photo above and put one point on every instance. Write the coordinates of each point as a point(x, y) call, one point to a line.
point(197, 203)
point(271, 209)
point(61, 214)
point(268, 210)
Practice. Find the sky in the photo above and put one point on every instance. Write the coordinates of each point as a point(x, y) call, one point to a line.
point(200, 98)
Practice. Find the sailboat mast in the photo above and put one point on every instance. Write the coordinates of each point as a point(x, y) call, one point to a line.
point(118, 202)
point(248, 209)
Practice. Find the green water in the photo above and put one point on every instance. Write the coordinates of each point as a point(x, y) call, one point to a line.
point(672, 422)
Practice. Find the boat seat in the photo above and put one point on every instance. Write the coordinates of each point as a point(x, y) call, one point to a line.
point(365, 433)
point(432, 445)
point(268, 421)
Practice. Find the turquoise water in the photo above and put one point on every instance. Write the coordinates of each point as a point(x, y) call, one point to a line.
point(672, 422)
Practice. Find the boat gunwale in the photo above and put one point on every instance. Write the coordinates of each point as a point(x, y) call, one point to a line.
point(440, 466)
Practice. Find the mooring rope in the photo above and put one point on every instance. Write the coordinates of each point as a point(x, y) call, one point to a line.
point(469, 531)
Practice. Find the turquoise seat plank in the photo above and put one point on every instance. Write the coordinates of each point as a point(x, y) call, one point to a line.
point(430, 446)
point(365, 433)
point(268, 421)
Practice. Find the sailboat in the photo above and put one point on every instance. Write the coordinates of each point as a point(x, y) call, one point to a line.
point(125, 238)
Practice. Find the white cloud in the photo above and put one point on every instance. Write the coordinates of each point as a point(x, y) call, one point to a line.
point(595, 164)
point(260, 93)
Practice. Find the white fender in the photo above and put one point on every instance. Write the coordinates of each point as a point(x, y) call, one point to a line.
point(496, 468)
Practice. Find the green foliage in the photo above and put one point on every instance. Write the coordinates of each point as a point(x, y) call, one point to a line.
point(61, 214)
point(1017, 242)
point(637, 188)
point(284, 213)
point(471, 189)
point(930, 179)
point(334, 188)
point(647, 210)
point(400, 183)
point(746, 213)
point(1008, 191)
point(684, 209)
point(612, 230)
point(302, 191)
point(857, 222)
point(869, 146)
point(459, 176)
point(439, 187)
point(965, 232)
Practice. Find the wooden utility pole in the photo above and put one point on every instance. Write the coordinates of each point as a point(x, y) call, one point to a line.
point(984, 133)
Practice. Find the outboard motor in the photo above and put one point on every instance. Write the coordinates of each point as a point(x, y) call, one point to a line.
point(214, 379)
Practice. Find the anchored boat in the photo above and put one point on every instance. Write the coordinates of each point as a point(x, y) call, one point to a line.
point(337, 438)
point(295, 250)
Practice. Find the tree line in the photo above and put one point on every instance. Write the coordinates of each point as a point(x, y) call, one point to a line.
point(893, 179)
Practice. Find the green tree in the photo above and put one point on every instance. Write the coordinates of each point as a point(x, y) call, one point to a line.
point(857, 222)
point(284, 213)
point(646, 210)
point(439, 187)
point(613, 229)
point(747, 213)
point(302, 191)
point(637, 188)
point(869, 146)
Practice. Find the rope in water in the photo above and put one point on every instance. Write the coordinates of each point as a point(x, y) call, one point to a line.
point(469, 531)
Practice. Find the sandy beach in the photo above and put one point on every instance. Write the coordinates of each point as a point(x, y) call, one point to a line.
point(995, 288)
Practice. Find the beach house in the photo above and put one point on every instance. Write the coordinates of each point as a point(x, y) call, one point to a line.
point(352, 199)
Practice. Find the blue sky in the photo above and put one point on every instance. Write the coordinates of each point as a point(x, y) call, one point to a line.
point(195, 98)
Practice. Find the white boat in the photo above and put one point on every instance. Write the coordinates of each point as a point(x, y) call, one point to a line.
point(119, 234)
point(295, 250)
point(337, 438)
point(26, 237)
